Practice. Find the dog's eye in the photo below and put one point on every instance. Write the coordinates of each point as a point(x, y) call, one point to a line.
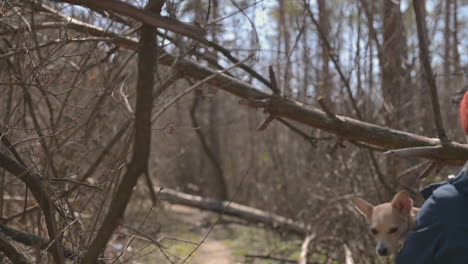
point(374, 231)
point(393, 230)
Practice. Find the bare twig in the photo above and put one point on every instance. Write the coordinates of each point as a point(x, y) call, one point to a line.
point(372, 31)
point(129, 242)
point(244, 67)
point(91, 186)
point(50, 43)
point(274, 83)
point(428, 170)
point(327, 111)
point(265, 123)
point(378, 172)
point(193, 87)
point(218, 220)
point(335, 61)
point(310, 139)
point(338, 144)
point(416, 151)
point(52, 242)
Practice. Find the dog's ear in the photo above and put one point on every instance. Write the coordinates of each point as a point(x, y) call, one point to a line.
point(363, 207)
point(402, 202)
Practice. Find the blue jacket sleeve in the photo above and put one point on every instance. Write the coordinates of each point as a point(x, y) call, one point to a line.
point(453, 247)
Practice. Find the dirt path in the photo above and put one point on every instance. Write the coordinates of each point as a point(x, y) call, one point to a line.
point(211, 251)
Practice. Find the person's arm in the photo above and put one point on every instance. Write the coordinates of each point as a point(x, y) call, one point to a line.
point(453, 247)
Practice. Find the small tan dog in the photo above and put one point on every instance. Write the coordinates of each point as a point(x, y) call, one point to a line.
point(390, 223)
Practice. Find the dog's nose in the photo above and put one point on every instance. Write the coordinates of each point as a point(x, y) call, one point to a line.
point(382, 251)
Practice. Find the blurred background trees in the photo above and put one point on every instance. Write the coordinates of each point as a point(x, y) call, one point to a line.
point(68, 104)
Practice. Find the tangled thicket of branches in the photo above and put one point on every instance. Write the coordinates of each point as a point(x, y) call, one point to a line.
point(103, 101)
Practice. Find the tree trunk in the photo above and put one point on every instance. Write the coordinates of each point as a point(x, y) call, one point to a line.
point(447, 41)
point(394, 80)
point(283, 37)
point(324, 87)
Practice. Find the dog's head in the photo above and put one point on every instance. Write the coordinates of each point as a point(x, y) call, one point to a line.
point(388, 222)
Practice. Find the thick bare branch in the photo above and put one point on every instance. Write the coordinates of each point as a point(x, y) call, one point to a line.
point(351, 129)
point(156, 20)
point(42, 195)
point(11, 251)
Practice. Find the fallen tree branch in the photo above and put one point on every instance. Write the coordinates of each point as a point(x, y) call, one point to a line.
point(349, 129)
point(11, 251)
point(42, 194)
point(427, 170)
point(416, 151)
point(305, 249)
point(32, 240)
point(234, 209)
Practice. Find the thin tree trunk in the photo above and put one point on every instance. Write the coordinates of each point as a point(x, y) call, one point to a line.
point(455, 52)
point(447, 45)
point(324, 87)
point(306, 68)
point(393, 75)
point(284, 37)
point(217, 177)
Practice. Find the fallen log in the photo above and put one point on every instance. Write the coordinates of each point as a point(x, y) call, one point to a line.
point(247, 213)
point(33, 240)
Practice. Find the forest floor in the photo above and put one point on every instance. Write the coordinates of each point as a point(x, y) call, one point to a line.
point(212, 251)
point(180, 229)
point(229, 242)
